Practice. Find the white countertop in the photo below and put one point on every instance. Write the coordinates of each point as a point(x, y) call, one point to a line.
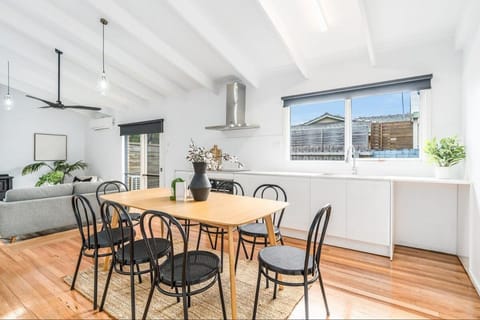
point(346, 176)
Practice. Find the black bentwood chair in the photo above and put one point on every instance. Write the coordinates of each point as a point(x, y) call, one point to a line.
point(114, 186)
point(251, 232)
point(181, 269)
point(230, 187)
point(293, 261)
point(128, 255)
point(92, 239)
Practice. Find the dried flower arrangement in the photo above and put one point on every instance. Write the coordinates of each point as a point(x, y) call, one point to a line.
point(200, 154)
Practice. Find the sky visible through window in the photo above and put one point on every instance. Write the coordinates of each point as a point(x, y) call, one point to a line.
point(387, 104)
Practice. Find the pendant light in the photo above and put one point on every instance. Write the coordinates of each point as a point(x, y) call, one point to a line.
point(103, 82)
point(7, 100)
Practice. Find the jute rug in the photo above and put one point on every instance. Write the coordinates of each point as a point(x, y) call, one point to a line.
point(205, 305)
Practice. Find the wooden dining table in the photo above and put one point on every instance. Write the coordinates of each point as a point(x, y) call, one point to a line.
point(223, 210)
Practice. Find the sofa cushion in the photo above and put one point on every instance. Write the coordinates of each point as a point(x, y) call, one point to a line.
point(23, 194)
point(85, 187)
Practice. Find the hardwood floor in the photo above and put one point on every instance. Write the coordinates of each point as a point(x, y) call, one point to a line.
point(416, 284)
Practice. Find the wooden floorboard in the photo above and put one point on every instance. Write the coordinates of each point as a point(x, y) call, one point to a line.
point(416, 284)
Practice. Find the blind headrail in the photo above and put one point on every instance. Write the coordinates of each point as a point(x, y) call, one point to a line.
point(390, 86)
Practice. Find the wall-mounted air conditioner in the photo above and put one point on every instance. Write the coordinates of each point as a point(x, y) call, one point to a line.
point(101, 123)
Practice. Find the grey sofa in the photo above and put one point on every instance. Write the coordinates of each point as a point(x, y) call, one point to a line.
point(32, 210)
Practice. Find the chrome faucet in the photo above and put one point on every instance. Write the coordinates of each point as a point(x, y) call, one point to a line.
point(351, 153)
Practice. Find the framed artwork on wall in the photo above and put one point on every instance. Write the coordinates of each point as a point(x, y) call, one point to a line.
point(50, 147)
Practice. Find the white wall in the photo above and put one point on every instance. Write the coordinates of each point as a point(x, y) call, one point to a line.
point(471, 103)
point(18, 126)
point(265, 148)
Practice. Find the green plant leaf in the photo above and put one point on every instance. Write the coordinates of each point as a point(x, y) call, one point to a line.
point(445, 152)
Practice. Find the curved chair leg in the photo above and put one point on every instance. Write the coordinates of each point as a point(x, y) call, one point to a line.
point(245, 249)
point(266, 270)
point(238, 250)
point(305, 296)
point(95, 279)
point(281, 240)
point(132, 292)
point(185, 307)
point(275, 286)
point(199, 237)
point(323, 292)
point(255, 304)
point(106, 286)
point(149, 299)
point(221, 253)
point(139, 275)
point(80, 255)
point(222, 300)
point(189, 297)
point(253, 247)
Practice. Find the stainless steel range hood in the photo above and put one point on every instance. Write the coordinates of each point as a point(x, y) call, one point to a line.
point(235, 115)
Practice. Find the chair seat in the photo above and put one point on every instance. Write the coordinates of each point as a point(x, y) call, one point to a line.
point(256, 230)
point(140, 251)
point(285, 259)
point(104, 239)
point(133, 216)
point(202, 265)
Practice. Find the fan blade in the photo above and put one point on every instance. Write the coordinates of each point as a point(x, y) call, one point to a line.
point(46, 107)
point(45, 101)
point(83, 107)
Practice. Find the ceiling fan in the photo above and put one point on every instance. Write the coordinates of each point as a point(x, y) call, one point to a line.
point(59, 104)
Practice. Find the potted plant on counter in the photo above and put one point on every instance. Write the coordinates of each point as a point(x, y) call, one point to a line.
point(444, 153)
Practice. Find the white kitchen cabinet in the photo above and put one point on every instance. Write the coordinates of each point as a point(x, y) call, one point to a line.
point(323, 191)
point(368, 211)
point(297, 214)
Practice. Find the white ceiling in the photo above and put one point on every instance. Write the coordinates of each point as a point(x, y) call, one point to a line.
point(157, 49)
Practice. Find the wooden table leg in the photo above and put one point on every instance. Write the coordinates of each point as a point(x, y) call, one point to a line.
point(272, 239)
point(106, 263)
point(231, 259)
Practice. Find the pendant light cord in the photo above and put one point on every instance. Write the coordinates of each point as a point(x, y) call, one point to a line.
point(103, 47)
point(8, 77)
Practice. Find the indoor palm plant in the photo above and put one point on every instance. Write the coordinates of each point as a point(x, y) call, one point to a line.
point(444, 153)
point(57, 173)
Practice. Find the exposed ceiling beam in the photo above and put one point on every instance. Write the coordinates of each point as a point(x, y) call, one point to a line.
point(113, 10)
point(216, 39)
point(468, 25)
point(151, 85)
point(367, 31)
point(45, 62)
point(269, 7)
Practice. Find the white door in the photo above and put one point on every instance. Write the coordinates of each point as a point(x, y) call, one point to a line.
point(142, 161)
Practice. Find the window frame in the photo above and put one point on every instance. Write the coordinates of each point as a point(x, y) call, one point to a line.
point(424, 133)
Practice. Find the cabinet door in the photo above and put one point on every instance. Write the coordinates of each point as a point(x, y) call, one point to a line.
point(368, 211)
point(297, 214)
point(333, 191)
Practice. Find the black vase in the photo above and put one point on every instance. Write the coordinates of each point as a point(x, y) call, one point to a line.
point(200, 185)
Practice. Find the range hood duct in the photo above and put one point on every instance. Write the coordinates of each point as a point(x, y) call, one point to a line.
point(235, 115)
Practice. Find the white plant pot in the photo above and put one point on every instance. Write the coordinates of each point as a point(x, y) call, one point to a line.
point(443, 172)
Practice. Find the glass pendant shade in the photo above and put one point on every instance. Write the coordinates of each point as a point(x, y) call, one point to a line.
point(8, 102)
point(103, 84)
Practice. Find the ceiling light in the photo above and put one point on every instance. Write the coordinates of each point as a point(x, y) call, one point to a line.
point(103, 82)
point(7, 100)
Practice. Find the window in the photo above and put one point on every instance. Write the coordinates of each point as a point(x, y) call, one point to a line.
point(142, 154)
point(317, 131)
point(380, 120)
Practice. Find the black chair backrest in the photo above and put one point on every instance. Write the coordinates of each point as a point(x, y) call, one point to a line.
point(316, 235)
point(273, 192)
point(151, 226)
point(231, 187)
point(110, 187)
point(86, 221)
point(113, 212)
